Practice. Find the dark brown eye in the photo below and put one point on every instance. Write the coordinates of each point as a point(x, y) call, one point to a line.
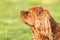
point(39, 11)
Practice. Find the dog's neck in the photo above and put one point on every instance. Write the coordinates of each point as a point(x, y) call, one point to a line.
point(42, 29)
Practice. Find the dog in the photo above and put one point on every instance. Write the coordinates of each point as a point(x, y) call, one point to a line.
point(44, 27)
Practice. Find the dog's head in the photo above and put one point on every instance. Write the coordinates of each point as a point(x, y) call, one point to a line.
point(32, 14)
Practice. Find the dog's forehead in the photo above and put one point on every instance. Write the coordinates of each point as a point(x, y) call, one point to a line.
point(35, 8)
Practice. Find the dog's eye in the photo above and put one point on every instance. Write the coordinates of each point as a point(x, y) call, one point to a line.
point(39, 11)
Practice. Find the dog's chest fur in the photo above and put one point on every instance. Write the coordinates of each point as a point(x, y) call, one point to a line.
point(42, 29)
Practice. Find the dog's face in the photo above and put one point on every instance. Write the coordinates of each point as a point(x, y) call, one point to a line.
point(29, 16)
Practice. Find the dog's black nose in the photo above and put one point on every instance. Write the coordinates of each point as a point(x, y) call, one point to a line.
point(26, 12)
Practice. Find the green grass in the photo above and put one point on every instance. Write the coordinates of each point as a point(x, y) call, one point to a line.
point(11, 26)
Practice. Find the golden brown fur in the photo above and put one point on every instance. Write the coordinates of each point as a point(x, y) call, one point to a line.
point(43, 25)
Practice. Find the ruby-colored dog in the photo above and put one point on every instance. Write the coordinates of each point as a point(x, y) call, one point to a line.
point(44, 27)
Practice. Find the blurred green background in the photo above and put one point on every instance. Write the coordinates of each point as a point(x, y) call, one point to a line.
point(11, 26)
